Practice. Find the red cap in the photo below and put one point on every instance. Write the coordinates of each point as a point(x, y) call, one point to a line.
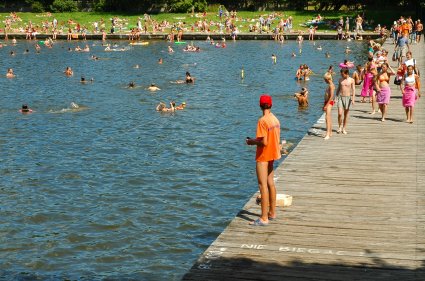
point(266, 99)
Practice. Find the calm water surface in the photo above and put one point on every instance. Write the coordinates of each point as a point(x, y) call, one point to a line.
point(118, 190)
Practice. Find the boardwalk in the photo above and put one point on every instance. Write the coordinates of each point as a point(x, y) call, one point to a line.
point(358, 211)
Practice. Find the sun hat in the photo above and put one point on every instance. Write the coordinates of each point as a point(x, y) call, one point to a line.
point(266, 99)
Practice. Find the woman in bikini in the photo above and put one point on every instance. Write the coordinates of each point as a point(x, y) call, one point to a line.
point(358, 75)
point(383, 88)
point(410, 87)
point(329, 102)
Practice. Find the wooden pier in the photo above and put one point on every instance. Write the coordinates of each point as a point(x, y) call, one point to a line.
point(358, 208)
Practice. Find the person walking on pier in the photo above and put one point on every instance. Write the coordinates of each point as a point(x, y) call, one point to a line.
point(329, 102)
point(268, 150)
point(345, 97)
point(410, 89)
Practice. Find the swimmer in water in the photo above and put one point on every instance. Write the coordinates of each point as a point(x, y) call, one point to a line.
point(14, 41)
point(25, 109)
point(327, 55)
point(189, 79)
point(93, 57)
point(319, 48)
point(84, 81)
point(131, 85)
point(68, 71)
point(274, 59)
point(170, 50)
point(293, 55)
point(161, 107)
point(299, 73)
point(242, 73)
point(74, 105)
point(302, 98)
point(153, 88)
point(26, 52)
point(10, 73)
point(136, 66)
point(12, 53)
point(181, 107)
point(347, 50)
point(160, 61)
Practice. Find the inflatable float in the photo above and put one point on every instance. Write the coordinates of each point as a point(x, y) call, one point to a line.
point(346, 65)
point(139, 43)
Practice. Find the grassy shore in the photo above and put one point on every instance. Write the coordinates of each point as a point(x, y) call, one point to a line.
point(127, 21)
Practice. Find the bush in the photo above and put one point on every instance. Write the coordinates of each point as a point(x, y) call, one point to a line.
point(59, 6)
point(37, 7)
point(99, 6)
point(200, 5)
point(184, 6)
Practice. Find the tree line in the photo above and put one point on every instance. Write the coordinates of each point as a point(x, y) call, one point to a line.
point(184, 6)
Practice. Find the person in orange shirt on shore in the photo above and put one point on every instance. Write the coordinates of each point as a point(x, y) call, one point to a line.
point(268, 150)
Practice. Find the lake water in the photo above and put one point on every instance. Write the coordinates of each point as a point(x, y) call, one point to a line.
point(120, 191)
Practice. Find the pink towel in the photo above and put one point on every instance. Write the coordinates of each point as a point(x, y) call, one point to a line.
point(367, 90)
point(384, 95)
point(409, 97)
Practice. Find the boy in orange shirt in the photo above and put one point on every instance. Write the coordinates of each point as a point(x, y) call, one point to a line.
point(268, 149)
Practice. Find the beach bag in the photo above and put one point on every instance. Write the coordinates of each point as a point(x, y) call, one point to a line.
point(395, 57)
point(397, 79)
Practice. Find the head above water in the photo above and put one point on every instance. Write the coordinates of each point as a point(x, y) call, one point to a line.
point(25, 108)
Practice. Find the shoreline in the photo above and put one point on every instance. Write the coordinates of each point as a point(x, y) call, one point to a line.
point(190, 36)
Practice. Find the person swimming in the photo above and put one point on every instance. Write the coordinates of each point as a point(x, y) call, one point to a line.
point(10, 73)
point(302, 97)
point(74, 105)
point(153, 88)
point(189, 79)
point(131, 85)
point(68, 71)
point(181, 107)
point(25, 109)
point(161, 107)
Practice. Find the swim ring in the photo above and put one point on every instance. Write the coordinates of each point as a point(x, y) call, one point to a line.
point(348, 65)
